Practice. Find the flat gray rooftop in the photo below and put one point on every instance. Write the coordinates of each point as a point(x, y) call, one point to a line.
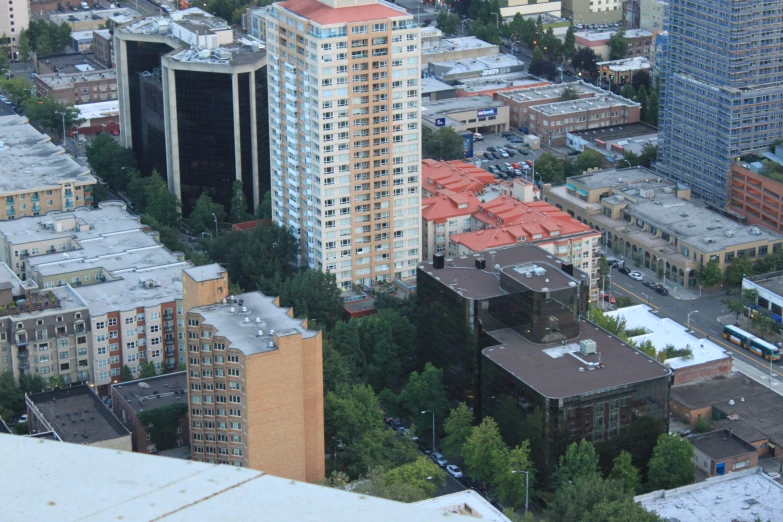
point(498, 81)
point(461, 275)
point(132, 290)
point(478, 64)
point(67, 81)
point(596, 102)
point(242, 328)
point(614, 177)
point(720, 444)
point(154, 392)
point(434, 85)
point(760, 414)
point(552, 372)
point(29, 160)
point(119, 15)
point(745, 495)
point(81, 223)
point(551, 92)
point(618, 132)
point(466, 103)
point(457, 44)
point(69, 301)
point(77, 415)
point(772, 281)
point(72, 62)
point(206, 272)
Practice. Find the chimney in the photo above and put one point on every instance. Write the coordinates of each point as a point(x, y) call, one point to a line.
point(481, 263)
point(438, 261)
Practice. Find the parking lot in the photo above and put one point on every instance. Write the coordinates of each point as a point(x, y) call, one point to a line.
point(497, 140)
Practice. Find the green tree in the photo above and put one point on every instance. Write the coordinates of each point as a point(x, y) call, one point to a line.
point(110, 161)
point(204, 215)
point(11, 396)
point(43, 47)
point(23, 47)
point(484, 452)
point(49, 113)
point(146, 370)
point(580, 461)
point(264, 210)
point(569, 43)
point(509, 480)
point(620, 511)
point(670, 465)
point(425, 392)
point(575, 500)
point(585, 60)
point(642, 96)
point(625, 473)
point(350, 412)
point(239, 211)
point(447, 22)
point(710, 274)
point(763, 322)
point(631, 157)
point(737, 270)
point(161, 424)
point(647, 348)
point(160, 204)
point(537, 56)
point(550, 168)
point(569, 93)
point(618, 45)
point(648, 155)
point(703, 425)
point(127, 375)
point(623, 301)
point(378, 448)
point(589, 159)
point(641, 79)
point(628, 92)
point(443, 144)
point(136, 190)
point(651, 110)
point(735, 306)
point(422, 473)
point(314, 295)
point(335, 368)
point(457, 427)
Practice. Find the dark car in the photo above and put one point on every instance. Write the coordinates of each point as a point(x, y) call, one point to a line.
point(488, 155)
point(507, 134)
point(492, 149)
point(662, 290)
point(574, 153)
point(524, 152)
point(492, 169)
point(650, 284)
point(510, 153)
point(497, 155)
point(425, 448)
point(614, 264)
point(624, 270)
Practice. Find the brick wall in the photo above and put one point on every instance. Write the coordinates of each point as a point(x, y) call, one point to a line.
point(700, 371)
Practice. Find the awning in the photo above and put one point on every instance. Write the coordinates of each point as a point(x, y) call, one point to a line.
point(581, 191)
point(570, 186)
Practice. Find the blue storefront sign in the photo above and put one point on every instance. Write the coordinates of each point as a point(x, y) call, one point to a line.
point(486, 112)
point(440, 122)
point(467, 143)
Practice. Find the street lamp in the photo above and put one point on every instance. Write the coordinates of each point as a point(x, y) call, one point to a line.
point(207, 234)
point(63, 115)
point(628, 162)
point(648, 298)
point(527, 484)
point(433, 427)
point(689, 317)
point(215, 218)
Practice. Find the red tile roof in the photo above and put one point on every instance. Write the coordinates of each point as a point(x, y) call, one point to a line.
point(438, 177)
point(325, 15)
point(445, 206)
point(505, 236)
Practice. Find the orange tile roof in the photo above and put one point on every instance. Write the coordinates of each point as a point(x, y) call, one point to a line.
point(504, 236)
point(455, 176)
point(323, 14)
point(445, 206)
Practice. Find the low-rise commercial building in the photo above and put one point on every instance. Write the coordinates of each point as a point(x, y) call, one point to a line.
point(651, 220)
point(736, 402)
point(99, 117)
point(640, 42)
point(620, 72)
point(452, 49)
point(79, 87)
point(67, 63)
point(770, 291)
point(492, 85)
point(748, 494)
point(519, 101)
point(721, 452)
point(94, 18)
point(530, 8)
point(508, 328)
point(256, 388)
point(475, 114)
point(454, 71)
point(78, 416)
point(169, 392)
point(37, 176)
point(615, 140)
point(553, 121)
point(700, 358)
point(432, 89)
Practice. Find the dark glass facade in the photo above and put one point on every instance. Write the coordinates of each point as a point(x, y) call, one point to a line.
point(262, 138)
point(146, 105)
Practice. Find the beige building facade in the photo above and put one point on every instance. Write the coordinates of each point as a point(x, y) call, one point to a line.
point(651, 15)
point(255, 379)
point(14, 18)
point(651, 222)
point(344, 112)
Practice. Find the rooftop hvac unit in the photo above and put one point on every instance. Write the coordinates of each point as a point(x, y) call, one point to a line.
point(587, 347)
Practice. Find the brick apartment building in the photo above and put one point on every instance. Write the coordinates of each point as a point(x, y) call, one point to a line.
point(640, 42)
point(519, 101)
point(79, 87)
point(102, 46)
point(255, 380)
point(551, 122)
point(755, 196)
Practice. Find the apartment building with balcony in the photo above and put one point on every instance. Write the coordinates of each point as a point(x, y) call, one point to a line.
point(718, 101)
point(652, 221)
point(43, 332)
point(37, 176)
point(255, 382)
point(344, 112)
point(193, 104)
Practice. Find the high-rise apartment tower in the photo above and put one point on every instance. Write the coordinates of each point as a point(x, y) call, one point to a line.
point(722, 88)
point(344, 111)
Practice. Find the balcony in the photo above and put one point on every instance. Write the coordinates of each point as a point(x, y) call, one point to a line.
point(24, 361)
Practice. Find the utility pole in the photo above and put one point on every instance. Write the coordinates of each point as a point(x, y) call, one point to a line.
point(433, 427)
point(527, 486)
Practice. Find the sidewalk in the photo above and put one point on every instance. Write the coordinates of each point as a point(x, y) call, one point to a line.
point(676, 291)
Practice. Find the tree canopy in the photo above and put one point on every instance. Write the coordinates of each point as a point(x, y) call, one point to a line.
point(670, 465)
point(580, 460)
point(585, 60)
point(550, 168)
point(625, 473)
point(618, 45)
point(710, 274)
point(443, 144)
point(206, 216)
point(314, 295)
point(484, 451)
point(457, 428)
point(589, 159)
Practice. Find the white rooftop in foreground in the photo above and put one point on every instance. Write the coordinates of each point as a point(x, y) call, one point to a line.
point(665, 331)
point(741, 496)
point(133, 487)
point(466, 502)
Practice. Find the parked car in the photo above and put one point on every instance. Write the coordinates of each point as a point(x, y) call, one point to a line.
point(636, 276)
point(684, 432)
point(574, 153)
point(524, 152)
point(115, 132)
point(624, 270)
point(488, 155)
point(454, 471)
point(650, 284)
point(496, 155)
point(425, 448)
point(516, 49)
point(492, 169)
point(609, 298)
point(506, 134)
point(504, 153)
point(662, 290)
point(614, 264)
point(510, 153)
point(492, 149)
point(477, 136)
point(438, 459)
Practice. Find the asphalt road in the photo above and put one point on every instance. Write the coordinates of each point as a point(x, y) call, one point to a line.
point(705, 322)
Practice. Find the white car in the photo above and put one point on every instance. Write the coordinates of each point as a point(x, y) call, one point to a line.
point(454, 471)
point(637, 276)
point(439, 459)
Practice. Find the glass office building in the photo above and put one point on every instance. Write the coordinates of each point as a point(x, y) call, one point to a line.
point(721, 89)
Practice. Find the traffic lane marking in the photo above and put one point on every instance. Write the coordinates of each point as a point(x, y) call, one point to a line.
point(642, 299)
